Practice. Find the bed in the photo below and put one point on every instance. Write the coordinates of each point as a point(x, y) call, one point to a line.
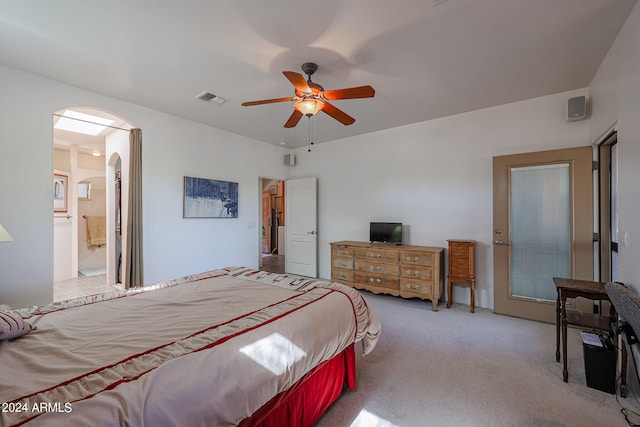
point(234, 346)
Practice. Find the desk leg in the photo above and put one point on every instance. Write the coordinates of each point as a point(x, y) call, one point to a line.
point(558, 328)
point(623, 371)
point(565, 372)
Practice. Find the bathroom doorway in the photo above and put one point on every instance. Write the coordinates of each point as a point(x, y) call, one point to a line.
point(89, 147)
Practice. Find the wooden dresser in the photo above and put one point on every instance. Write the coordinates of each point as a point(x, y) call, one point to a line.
point(400, 270)
point(462, 268)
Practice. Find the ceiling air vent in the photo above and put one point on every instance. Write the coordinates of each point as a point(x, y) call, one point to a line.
point(210, 97)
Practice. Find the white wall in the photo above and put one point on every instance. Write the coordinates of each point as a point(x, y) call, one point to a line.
point(435, 177)
point(616, 100)
point(172, 148)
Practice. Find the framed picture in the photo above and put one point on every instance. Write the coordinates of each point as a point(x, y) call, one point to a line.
point(60, 192)
point(210, 198)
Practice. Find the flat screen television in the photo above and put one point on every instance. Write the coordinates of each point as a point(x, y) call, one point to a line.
point(385, 232)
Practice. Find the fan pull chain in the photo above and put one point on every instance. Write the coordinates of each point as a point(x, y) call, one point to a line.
point(310, 132)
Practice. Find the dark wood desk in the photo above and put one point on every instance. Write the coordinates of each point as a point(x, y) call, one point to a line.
point(572, 288)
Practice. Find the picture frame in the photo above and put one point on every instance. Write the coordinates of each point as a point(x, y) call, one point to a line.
point(209, 198)
point(60, 192)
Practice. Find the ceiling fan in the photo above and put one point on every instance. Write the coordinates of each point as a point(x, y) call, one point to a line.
point(311, 97)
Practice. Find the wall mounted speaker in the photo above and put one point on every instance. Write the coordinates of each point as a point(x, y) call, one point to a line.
point(290, 159)
point(577, 109)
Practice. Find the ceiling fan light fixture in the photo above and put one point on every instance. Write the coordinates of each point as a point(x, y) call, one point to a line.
point(309, 107)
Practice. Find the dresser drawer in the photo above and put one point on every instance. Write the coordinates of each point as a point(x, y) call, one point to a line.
point(343, 251)
point(459, 263)
point(371, 280)
point(416, 258)
point(414, 272)
point(459, 251)
point(392, 284)
point(343, 263)
point(376, 267)
point(340, 275)
point(458, 272)
point(418, 288)
point(378, 254)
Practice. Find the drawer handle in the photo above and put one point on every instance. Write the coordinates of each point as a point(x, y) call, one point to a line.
point(343, 275)
point(412, 286)
point(379, 281)
point(379, 268)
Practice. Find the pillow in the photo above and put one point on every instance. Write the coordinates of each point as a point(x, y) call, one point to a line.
point(12, 326)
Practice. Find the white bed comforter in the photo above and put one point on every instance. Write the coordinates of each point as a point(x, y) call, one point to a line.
point(204, 350)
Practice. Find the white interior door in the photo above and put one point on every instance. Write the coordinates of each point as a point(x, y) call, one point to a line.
point(300, 199)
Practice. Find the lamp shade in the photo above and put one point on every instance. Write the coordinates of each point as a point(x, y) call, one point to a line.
point(309, 107)
point(4, 235)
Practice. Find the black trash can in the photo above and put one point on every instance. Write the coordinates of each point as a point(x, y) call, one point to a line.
point(600, 365)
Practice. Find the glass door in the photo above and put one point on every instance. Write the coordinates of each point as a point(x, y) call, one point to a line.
point(542, 228)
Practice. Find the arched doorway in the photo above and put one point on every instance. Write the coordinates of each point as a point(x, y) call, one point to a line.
point(91, 148)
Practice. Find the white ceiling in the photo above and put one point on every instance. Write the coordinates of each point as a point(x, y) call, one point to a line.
point(424, 61)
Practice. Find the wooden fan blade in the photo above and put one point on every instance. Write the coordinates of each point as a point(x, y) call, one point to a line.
point(338, 114)
point(266, 101)
point(293, 119)
point(297, 80)
point(350, 93)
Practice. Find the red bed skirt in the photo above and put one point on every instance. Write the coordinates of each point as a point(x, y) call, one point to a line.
point(304, 403)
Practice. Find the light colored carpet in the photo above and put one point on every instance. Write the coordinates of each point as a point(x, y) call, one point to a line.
point(454, 368)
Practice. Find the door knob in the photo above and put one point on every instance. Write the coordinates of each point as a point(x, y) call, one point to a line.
point(311, 232)
point(499, 242)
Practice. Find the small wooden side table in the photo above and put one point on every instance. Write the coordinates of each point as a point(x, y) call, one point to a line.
point(462, 268)
point(573, 288)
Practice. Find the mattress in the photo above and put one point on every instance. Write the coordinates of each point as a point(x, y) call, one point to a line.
point(207, 349)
